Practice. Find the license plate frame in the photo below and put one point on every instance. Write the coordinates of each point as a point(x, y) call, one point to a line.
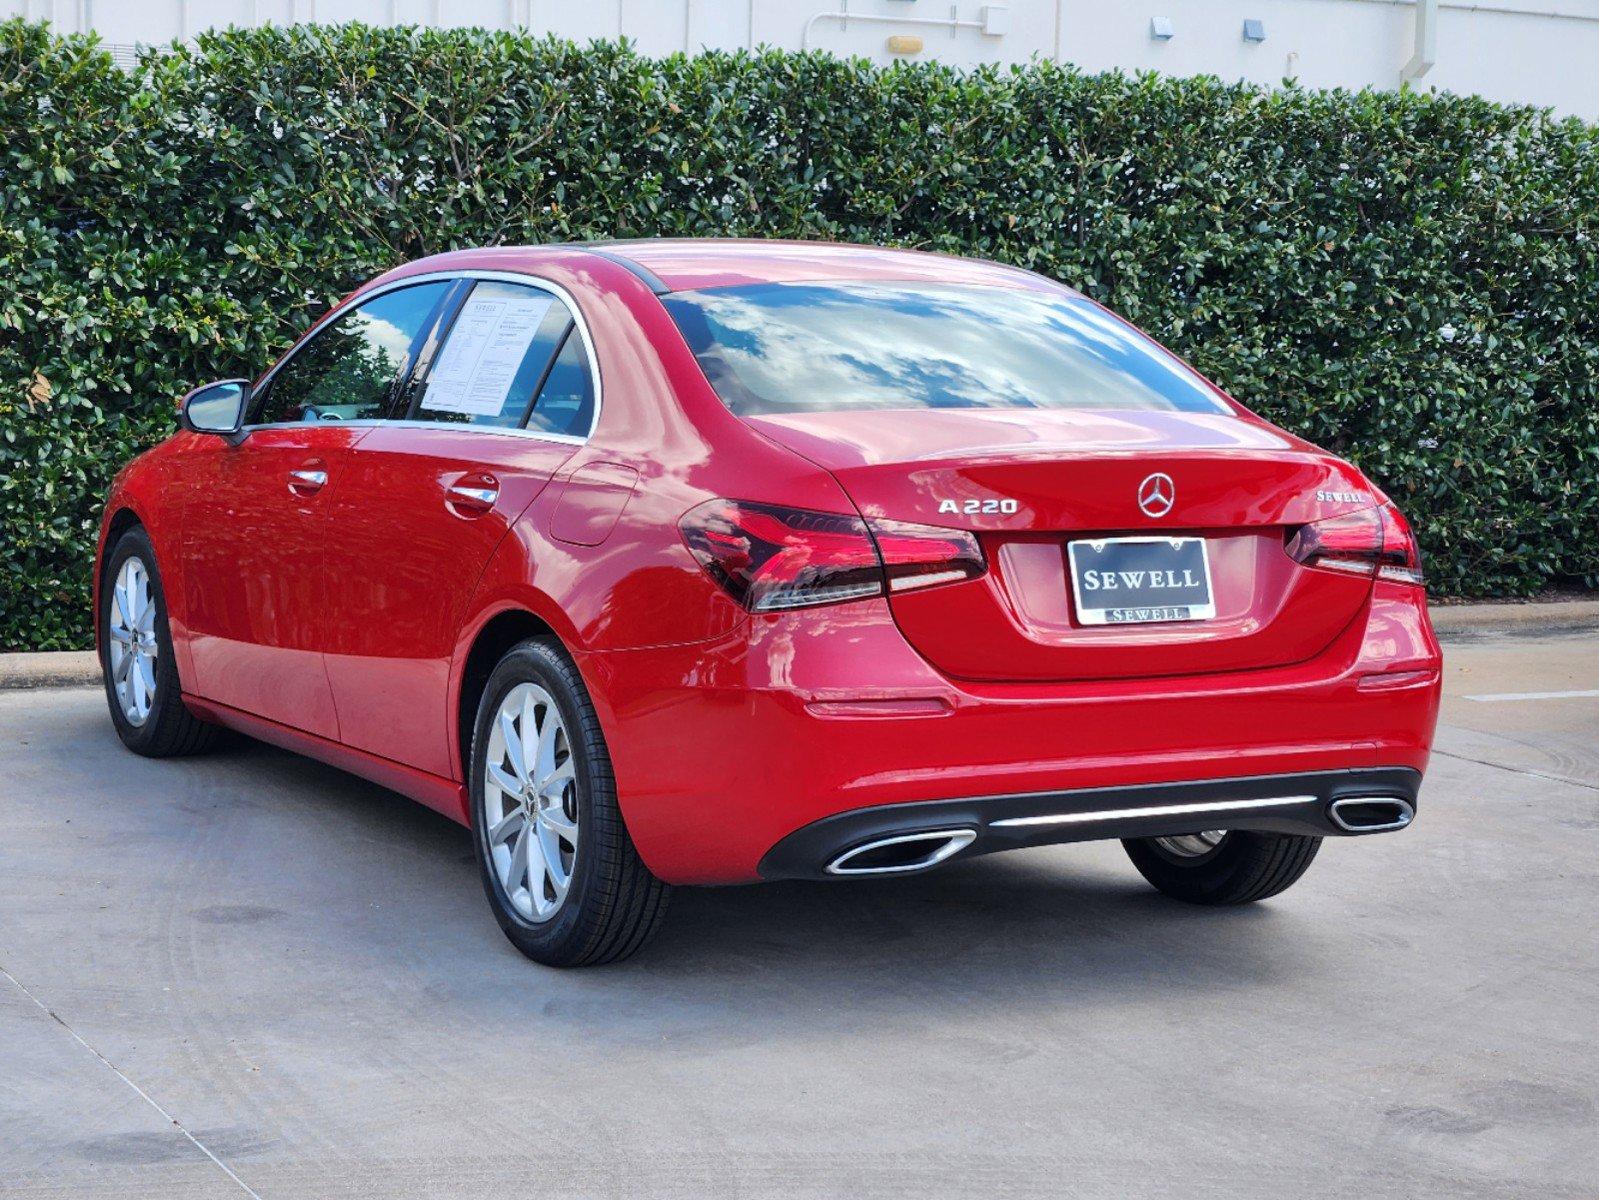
point(1089, 554)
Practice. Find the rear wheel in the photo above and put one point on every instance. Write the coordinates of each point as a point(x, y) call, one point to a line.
point(1217, 867)
point(559, 869)
point(141, 675)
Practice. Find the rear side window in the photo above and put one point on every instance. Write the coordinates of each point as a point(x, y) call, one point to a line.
point(566, 401)
point(496, 354)
point(347, 368)
point(820, 347)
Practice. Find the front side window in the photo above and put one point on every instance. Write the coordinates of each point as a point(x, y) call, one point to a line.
point(346, 370)
point(497, 351)
point(823, 347)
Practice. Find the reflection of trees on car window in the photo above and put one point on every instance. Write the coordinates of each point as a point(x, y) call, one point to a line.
point(344, 372)
point(352, 373)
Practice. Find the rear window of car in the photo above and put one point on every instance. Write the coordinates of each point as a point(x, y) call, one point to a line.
point(827, 347)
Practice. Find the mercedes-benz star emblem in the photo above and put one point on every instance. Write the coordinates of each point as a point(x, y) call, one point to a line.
point(1157, 494)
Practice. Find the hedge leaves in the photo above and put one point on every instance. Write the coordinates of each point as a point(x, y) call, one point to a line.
point(1408, 280)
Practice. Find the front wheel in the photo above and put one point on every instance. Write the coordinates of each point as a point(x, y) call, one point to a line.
point(141, 674)
point(558, 867)
point(1220, 867)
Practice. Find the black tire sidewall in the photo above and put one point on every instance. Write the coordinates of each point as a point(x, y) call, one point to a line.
point(561, 936)
point(1239, 870)
point(140, 738)
point(1199, 878)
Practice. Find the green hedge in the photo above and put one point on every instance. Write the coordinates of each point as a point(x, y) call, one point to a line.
point(1409, 280)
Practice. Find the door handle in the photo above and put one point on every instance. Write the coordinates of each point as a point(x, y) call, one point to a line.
point(473, 496)
point(307, 481)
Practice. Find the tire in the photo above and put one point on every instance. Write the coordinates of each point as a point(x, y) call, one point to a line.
point(610, 904)
point(1239, 869)
point(140, 672)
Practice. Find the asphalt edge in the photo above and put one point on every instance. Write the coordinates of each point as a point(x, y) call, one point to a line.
point(1525, 618)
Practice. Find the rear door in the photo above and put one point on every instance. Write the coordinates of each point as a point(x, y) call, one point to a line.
point(255, 578)
point(501, 397)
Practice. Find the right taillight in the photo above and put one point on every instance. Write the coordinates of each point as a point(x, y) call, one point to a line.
point(770, 557)
point(1372, 542)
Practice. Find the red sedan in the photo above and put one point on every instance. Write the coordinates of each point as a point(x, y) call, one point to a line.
point(706, 562)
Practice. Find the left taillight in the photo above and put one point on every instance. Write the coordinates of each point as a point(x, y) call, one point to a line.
point(1372, 542)
point(1401, 553)
point(769, 557)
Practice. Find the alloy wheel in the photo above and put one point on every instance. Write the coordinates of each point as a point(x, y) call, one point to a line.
point(130, 630)
point(530, 802)
point(1192, 845)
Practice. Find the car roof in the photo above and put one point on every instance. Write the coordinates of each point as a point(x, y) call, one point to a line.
point(684, 264)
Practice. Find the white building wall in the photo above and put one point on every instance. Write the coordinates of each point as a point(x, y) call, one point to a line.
point(1526, 51)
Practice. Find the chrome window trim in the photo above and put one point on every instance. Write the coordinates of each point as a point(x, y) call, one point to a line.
point(570, 439)
point(517, 277)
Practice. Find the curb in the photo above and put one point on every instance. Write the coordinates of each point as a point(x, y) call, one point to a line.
point(1530, 617)
point(81, 668)
point(71, 668)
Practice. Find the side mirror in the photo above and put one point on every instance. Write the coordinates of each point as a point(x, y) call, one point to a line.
point(216, 408)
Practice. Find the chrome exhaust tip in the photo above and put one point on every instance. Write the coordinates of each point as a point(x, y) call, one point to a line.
point(904, 853)
point(1370, 814)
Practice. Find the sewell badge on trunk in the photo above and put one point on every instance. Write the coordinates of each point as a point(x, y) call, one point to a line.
point(1132, 580)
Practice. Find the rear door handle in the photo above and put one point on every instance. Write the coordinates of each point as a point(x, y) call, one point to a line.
point(473, 496)
point(307, 481)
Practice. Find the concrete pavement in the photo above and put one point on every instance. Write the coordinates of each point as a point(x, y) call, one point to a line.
point(249, 974)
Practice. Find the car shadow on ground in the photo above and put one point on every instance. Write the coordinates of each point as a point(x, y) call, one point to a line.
point(988, 926)
point(1035, 925)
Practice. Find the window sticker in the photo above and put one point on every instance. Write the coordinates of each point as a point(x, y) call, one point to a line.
point(490, 338)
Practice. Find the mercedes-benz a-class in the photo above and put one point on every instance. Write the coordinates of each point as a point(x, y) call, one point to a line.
point(689, 562)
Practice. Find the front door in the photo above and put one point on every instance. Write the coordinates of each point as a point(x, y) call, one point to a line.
point(255, 577)
point(253, 587)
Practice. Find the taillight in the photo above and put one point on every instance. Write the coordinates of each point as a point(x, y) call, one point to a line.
point(1371, 542)
point(769, 558)
point(922, 556)
point(1401, 553)
point(1351, 543)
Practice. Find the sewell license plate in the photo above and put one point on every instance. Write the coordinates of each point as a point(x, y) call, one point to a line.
point(1133, 580)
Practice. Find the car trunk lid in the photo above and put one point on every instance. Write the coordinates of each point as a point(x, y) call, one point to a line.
point(1031, 482)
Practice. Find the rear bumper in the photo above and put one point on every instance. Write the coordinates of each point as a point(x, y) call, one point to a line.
point(1318, 803)
point(723, 751)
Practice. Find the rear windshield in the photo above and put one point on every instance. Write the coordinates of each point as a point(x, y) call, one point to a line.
point(818, 347)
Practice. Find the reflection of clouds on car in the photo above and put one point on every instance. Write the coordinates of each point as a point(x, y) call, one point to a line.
point(364, 354)
point(385, 338)
point(794, 347)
